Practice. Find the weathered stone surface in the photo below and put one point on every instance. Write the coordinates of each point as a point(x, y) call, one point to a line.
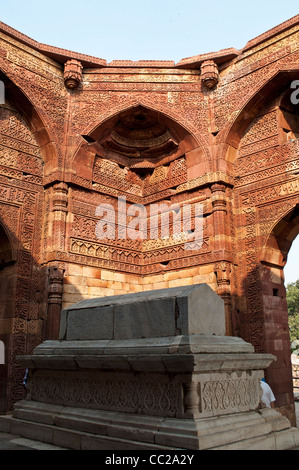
point(191, 391)
point(189, 310)
point(145, 319)
point(96, 324)
point(84, 429)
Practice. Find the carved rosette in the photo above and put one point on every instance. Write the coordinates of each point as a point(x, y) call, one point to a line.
point(209, 74)
point(72, 73)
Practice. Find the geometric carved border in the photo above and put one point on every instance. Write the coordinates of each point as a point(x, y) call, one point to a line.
point(107, 393)
point(145, 395)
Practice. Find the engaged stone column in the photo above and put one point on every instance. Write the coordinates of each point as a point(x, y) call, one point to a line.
point(60, 205)
point(223, 271)
point(55, 289)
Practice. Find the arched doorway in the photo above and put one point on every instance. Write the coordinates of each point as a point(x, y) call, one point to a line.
point(291, 271)
point(265, 139)
point(26, 150)
point(291, 274)
point(7, 288)
point(276, 327)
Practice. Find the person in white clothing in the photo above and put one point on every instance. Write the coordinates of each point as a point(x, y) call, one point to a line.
point(268, 398)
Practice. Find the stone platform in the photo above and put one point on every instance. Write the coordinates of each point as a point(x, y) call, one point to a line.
point(152, 370)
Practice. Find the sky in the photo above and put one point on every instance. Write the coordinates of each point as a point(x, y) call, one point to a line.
point(150, 30)
point(291, 270)
point(147, 29)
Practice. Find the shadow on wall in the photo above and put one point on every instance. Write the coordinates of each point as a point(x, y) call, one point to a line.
point(30, 305)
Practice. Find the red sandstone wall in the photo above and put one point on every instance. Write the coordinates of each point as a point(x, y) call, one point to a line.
point(237, 154)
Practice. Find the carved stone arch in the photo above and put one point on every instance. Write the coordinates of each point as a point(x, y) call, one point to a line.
point(8, 269)
point(275, 86)
point(190, 141)
point(28, 157)
point(282, 233)
point(151, 105)
point(261, 153)
point(274, 306)
point(21, 101)
point(8, 254)
point(289, 116)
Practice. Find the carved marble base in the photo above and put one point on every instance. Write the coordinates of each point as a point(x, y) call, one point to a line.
point(184, 392)
point(195, 390)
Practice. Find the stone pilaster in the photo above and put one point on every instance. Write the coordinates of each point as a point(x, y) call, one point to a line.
point(55, 290)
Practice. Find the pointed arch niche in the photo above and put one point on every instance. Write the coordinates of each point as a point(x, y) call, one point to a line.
point(141, 141)
point(274, 259)
point(148, 157)
point(7, 290)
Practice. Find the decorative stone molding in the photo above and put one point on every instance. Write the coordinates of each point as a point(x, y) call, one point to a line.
point(149, 394)
point(60, 197)
point(55, 285)
point(223, 273)
point(72, 73)
point(209, 74)
point(55, 290)
point(221, 395)
point(108, 392)
point(219, 197)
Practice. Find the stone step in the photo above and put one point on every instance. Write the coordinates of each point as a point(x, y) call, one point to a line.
point(86, 429)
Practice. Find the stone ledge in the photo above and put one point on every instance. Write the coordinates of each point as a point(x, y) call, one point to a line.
point(197, 344)
point(174, 363)
point(81, 429)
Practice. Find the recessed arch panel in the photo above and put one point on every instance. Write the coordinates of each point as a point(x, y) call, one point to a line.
point(140, 137)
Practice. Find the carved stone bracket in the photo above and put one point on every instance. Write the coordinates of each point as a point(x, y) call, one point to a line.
point(223, 273)
point(209, 74)
point(72, 73)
